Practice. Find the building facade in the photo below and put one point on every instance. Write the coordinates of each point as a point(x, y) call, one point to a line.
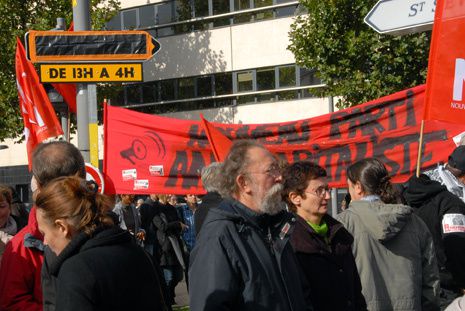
point(226, 59)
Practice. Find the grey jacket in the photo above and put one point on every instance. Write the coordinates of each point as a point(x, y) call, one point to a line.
point(394, 254)
point(118, 210)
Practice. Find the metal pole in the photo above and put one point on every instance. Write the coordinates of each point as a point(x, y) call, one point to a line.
point(81, 17)
point(93, 124)
point(64, 114)
point(334, 191)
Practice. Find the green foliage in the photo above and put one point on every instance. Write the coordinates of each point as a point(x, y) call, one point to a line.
point(17, 18)
point(354, 61)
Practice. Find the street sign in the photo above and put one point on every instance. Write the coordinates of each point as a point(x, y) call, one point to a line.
point(90, 46)
point(399, 17)
point(93, 174)
point(91, 73)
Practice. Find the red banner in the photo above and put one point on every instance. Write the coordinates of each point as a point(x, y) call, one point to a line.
point(152, 154)
point(39, 118)
point(445, 98)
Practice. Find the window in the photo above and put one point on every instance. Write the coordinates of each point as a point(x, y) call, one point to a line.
point(265, 79)
point(245, 81)
point(167, 90)
point(287, 76)
point(114, 23)
point(149, 92)
point(223, 83)
point(133, 94)
point(307, 77)
point(186, 88)
point(164, 13)
point(220, 7)
point(129, 19)
point(241, 5)
point(264, 14)
point(201, 8)
point(204, 86)
point(147, 16)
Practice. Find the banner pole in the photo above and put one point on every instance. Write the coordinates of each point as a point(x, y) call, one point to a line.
point(420, 145)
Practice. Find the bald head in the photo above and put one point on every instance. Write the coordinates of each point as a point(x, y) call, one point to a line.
point(56, 159)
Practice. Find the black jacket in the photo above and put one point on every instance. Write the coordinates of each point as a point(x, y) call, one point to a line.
point(329, 267)
point(210, 200)
point(432, 202)
point(244, 261)
point(168, 224)
point(106, 271)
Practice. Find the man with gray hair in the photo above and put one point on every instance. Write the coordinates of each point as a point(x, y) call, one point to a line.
point(210, 177)
point(243, 259)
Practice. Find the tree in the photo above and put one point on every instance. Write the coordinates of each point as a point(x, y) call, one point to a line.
point(354, 61)
point(17, 18)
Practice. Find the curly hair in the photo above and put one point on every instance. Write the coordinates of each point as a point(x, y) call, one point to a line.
point(234, 165)
point(374, 179)
point(73, 199)
point(296, 178)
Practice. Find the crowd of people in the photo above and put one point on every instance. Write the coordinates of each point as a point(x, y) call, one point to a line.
point(261, 238)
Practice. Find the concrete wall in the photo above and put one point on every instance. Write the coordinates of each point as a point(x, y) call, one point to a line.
point(229, 48)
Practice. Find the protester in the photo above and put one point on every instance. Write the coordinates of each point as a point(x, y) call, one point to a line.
point(210, 177)
point(187, 212)
point(243, 259)
point(8, 222)
point(20, 271)
point(96, 259)
point(147, 211)
point(322, 245)
point(172, 256)
point(444, 215)
point(139, 203)
point(18, 209)
point(451, 174)
point(129, 217)
point(393, 248)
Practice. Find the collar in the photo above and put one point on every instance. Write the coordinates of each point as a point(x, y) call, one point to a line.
point(371, 198)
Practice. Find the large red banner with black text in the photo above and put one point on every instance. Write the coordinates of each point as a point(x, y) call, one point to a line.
point(152, 154)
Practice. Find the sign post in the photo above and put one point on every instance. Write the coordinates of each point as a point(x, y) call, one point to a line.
point(400, 17)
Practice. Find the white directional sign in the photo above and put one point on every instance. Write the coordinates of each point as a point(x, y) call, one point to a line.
point(399, 17)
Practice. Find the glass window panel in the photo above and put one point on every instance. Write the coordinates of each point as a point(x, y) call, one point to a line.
point(265, 79)
point(307, 93)
point(165, 31)
point(307, 77)
point(243, 18)
point(245, 81)
point(287, 76)
point(164, 13)
point(204, 86)
point(286, 11)
point(201, 8)
point(269, 97)
point(223, 84)
point(186, 88)
point(114, 23)
point(167, 90)
point(241, 5)
point(287, 95)
point(149, 94)
point(133, 94)
point(183, 10)
point(245, 99)
point(220, 6)
point(147, 16)
point(129, 19)
point(262, 3)
point(268, 14)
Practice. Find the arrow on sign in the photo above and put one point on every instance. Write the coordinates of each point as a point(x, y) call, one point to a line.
point(399, 17)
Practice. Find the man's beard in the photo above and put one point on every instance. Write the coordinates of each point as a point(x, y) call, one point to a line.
point(272, 203)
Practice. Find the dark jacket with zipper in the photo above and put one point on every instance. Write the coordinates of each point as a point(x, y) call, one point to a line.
point(105, 271)
point(329, 266)
point(432, 202)
point(244, 261)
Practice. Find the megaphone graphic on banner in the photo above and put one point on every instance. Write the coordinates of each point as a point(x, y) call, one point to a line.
point(137, 150)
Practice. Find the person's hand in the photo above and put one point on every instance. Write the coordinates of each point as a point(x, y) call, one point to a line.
point(184, 227)
point(141, 235)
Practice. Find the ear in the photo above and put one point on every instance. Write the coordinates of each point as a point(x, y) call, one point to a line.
point(295, 198)
point(358, 188)
point(244, 183)
point(63, 227)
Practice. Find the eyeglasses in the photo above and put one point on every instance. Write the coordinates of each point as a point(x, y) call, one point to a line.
point(273, 171)
point(321, 191)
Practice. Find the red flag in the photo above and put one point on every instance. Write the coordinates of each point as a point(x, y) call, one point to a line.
point(68, 90)
point(219, 142)
point(40, 121)
point(445, 97)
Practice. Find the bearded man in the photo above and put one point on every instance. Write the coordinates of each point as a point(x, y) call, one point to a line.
point(243, 259)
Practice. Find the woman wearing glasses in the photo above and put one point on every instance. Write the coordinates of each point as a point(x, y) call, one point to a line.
point(321, 244)
point(393, 248)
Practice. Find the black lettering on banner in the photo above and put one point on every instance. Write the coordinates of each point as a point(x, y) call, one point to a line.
point(292, 135)
point(301, 155)
point(104, 73)
point(197, 137)
point(263, 133)
point(191, 179)
point(339, 157)
point(243, 132)
point(178, 169)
